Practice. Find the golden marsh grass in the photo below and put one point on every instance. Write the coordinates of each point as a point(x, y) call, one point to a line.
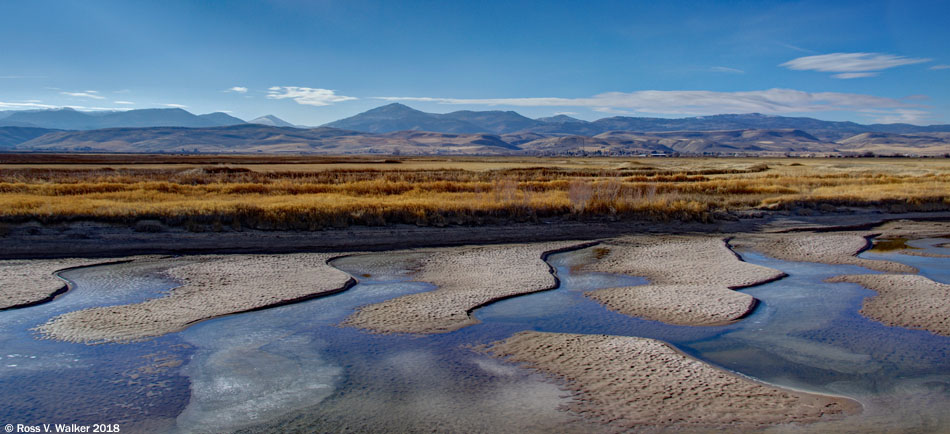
point(266, 194)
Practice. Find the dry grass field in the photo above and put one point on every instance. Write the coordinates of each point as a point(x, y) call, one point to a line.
point(311, 193)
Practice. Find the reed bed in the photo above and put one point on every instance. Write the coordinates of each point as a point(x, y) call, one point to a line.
point(241, 197)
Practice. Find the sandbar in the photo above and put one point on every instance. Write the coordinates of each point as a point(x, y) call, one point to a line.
point(26, 282)
point(903, 300)
point(467, 278)
point(212, 286)
point(836, 249)
point(692, 279)
point(631, 382)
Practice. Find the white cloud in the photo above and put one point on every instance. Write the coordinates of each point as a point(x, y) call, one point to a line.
point(726, 69)
point(849, 75)
point(693, 102)
point(566, 113)
point(85, 94)
point(850, 63)
point(903, 116)
point(238, 89)
point(307, 95)
point(123, 102)
point(27, 105)
point(179, 106)
point(939, 67)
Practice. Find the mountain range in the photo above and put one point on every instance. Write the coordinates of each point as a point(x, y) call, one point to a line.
point(396, 128)
point(397, 117)
point(69, 119)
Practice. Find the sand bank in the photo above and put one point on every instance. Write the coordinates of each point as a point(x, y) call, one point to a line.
point(837, 249)
point(212, 286)
point(911, 229)
point(634, 382)
point(692, 279)
point(910, 301)
point(467, 278)
point(32, 281)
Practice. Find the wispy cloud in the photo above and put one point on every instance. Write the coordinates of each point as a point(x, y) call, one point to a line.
point(37, 105)
point(25, 105)
point(902, 116)
point(850, 65)
point(939, 67)
point(85, 94)
point(238, 89)
point(693, 102)
point(726, 69)
point(179, 106)
point(307, 95)
point(796, 48)
point(123, 102)
point(849, 75)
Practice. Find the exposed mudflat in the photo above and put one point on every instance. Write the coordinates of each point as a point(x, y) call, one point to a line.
point(212, 286)
point(903, 300)
point(631, 382)
point(29, 281)
point(837, 249)
point(466, 277)
point(692, 279)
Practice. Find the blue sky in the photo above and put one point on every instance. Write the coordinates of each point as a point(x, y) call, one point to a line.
point(312, 62)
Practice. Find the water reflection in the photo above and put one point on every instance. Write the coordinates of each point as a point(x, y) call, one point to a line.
point(294, 367)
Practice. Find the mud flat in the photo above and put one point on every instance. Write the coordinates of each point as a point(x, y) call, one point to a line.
point(903, 300)
point(32, 281)
point(692, 279)
point(836, 249)
point(632, 382)
point(212, 286)
point(466, 277)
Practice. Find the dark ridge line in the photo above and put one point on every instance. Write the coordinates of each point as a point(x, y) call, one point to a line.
point(350, 282)
point(551, 269)
point(468, 312)
point(756, 303)
point(65, 288)
point(443, 237)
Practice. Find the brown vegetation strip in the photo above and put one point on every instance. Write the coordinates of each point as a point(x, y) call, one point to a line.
point(28, 282)
point(691, 279)
point(838, 249)
point(368, 193)
point(902, 300)
point(632, 382)
point(212, 286)
point(467, 278)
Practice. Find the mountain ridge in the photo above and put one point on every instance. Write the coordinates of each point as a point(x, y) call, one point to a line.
point(255, 138)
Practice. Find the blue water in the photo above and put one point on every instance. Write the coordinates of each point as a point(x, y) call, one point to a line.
point(294, 367)
point(44, 381)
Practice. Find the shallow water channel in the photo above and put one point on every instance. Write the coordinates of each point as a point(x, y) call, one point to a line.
point(293, 367)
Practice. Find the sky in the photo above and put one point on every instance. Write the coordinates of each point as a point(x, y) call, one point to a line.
point(312, 62)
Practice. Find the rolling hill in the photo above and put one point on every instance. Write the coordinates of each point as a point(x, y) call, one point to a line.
point(250, 138)
point(396, 128)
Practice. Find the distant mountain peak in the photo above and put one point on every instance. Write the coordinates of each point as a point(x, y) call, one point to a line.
point(271, 120)
point(559, 119)
point(393, 108)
